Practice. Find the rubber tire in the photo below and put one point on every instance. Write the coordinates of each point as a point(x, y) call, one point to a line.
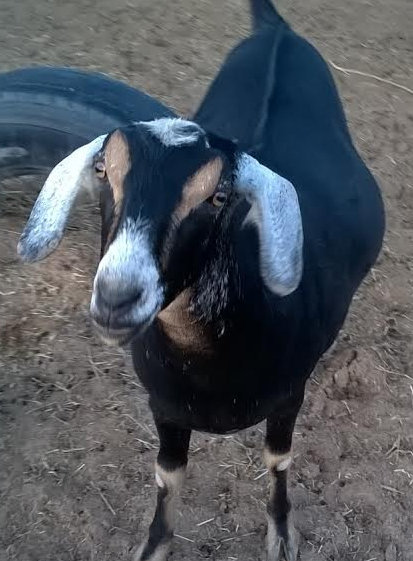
point(46, 113)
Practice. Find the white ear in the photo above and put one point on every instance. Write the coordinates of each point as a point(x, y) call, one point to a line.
point(47, 221)
point(276, 213)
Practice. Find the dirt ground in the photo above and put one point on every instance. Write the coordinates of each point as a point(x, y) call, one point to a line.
point(77, 441)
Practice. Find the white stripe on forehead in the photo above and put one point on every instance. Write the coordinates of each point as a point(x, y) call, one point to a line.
point(174, 132)
point(130, 247)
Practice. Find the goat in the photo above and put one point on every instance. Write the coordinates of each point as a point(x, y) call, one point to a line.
point(232, 245)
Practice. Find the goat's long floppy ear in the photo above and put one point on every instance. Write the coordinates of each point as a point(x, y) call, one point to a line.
point(276, 213)
point(48, 218)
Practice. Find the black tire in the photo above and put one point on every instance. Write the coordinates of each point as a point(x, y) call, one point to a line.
point(46, 113)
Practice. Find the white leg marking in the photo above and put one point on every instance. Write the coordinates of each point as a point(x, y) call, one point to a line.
point(280, 462)
point(159, 481)
point(284, 464)
point(172, 480)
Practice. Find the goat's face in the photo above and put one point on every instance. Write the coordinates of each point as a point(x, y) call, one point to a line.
point(163, 191)
point(159, 202)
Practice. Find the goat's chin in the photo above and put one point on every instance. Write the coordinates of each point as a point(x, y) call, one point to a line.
point(119, 337)
point(116, 340)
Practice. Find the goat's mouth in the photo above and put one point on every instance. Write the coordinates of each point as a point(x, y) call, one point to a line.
point(118, 326)
point(116, 337)
point(120, 336)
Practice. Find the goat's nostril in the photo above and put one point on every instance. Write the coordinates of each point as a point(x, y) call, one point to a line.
point(114, 297)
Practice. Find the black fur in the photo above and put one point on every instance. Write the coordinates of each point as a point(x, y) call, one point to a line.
point(264, 14)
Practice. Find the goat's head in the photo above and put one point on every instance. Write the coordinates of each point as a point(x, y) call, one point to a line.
point(164, 185)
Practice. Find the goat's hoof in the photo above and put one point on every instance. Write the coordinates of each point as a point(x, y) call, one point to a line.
point(283, 550)
point(290, 548)
point(150, 552)
point(137, 554)
point(283, 545)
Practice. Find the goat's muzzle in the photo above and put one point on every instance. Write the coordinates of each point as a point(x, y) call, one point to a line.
point(119, 315)
point(127, 291)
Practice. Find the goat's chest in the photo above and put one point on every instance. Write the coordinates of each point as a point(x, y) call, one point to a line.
point(200, 378)
point(196, 394)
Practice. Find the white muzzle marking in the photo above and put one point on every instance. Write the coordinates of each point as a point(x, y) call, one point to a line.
point(129, 265)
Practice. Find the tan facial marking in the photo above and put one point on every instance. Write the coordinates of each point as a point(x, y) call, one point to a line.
point(279, 462)
point(199, 187)
point(180, 325)
point(117, 163)
point(196, 190)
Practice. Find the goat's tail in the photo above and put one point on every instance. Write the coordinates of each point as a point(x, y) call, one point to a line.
point(264, 14)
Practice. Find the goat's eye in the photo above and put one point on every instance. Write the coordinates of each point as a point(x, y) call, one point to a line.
point(219, 198)
point(100, 170)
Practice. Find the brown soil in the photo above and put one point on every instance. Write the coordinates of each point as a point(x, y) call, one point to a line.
point(77, 439)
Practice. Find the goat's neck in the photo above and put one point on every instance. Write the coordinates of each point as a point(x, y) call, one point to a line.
point(226, 274)
point(218, 292)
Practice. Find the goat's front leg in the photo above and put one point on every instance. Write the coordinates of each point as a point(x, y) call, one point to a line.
point(281, 536)
point(169, 474)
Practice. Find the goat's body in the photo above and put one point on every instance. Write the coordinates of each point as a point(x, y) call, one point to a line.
point(260, 348)
point(202, 253)
point(248, 376)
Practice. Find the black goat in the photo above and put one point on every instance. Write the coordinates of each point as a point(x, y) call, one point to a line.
point(228, 295)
